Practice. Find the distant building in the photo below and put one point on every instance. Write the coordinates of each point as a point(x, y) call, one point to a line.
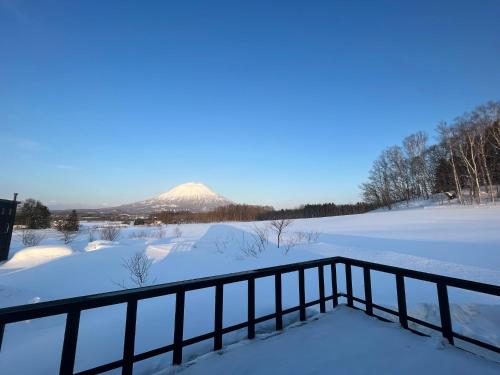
point(7, 217)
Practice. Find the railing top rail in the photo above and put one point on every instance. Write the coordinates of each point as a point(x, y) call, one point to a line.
point(474, 286)
point(43, 309)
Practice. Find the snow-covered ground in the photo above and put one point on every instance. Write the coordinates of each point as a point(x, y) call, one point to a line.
point(462, 242)
point(341, 342)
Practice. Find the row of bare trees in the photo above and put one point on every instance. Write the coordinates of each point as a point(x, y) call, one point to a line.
point(465, 161)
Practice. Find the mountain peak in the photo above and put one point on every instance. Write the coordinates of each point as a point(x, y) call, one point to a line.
point(191, 196)
point(189, 190)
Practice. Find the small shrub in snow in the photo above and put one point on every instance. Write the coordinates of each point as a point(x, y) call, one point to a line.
point(313, 237)
point(279, 227)
point(262, 236)
point(138, 266)
point(220, 245)
point(249, 245)
point(300, 238)
point(139, 235)
point(307, 237)
point(92, 234)
point(30, 237)
point(159, 233)
point(68, 236)
point(110, 233)
point(290, 244)
point(253, 244)
point(178, 231)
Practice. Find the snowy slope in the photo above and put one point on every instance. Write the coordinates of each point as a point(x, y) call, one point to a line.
point(191, 196)
point(457, 241)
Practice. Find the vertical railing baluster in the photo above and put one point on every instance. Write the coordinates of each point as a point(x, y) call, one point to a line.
point(2, 331)
point(302, 295)
point(368, 290)
point(69, 343)
point(251, 308)
point(277, 301)
point(219, 298)
point(348, 284)
point(444, 311)
point(335, 300)
point(180, 298)
point(129, 341)
point(321, 282)
point(400, 286)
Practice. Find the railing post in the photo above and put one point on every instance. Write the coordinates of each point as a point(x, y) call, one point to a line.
point(400, 286)
point(348, 284)
point(251, 308)
point(302, 295)
point(444, 311)
point(321, 281)
point(335, 299)
point(69, 343)
point(2, 331)
point(278, 302)
point(219, 298)
point(129, 341)
point(180, 298)
point(368, 291)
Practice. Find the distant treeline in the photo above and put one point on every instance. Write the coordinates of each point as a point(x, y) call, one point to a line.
point(242, 212)
point(235, 212)
point(318, 210)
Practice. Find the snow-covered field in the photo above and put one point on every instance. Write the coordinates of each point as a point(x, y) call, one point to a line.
point(461, 242)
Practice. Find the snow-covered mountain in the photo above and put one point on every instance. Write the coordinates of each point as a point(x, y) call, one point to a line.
point(192, 196)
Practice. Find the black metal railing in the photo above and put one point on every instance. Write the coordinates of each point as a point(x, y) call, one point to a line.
point(73, 307)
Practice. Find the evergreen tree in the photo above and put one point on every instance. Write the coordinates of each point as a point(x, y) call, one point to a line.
point(34, 215)
point(71, 223)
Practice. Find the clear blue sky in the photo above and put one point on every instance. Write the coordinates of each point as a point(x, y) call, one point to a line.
point(282, 103)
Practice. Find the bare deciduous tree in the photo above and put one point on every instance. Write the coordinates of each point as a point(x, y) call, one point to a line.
point(466, 159)
point(447, 140)
point(249, 245)
point(178, 231)
point(30, 237)
point(278, 227)
point(68, 236)
point(138, 266)
point(110, 233)
point(262, 236)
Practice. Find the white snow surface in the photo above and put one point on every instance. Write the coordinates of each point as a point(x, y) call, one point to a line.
point(36, 255)
point(342, 342)
point(461, 242)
